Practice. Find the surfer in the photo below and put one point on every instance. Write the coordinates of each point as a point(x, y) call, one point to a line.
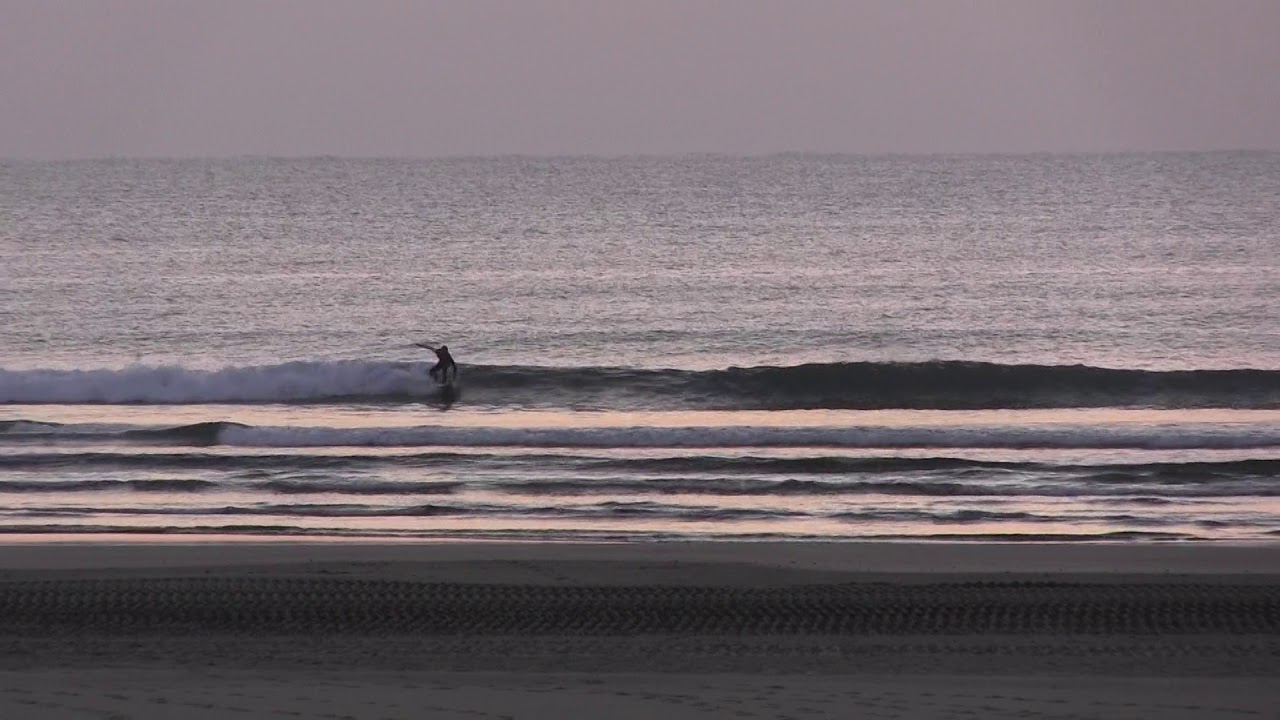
point(445, 367)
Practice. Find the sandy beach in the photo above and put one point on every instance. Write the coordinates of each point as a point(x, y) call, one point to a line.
point(696, 630)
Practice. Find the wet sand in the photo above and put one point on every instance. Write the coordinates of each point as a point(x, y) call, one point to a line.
point(137, 630)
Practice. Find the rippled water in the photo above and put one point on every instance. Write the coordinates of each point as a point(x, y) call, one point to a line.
point(1031, 346)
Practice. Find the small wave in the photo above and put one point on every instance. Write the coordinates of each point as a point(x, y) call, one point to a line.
point(1190, 436)
point(348, 510)
point(238, 529)
point(255, 466)
point(22, 427)
point(590, 534)
point(954, 516)
point(1173, 472)
point(67, 486)
point(841, 385)
point(641, 510)
point(617, 509)
point(754, 486)
point(1144, 500)
point(205, 433)
point(736, 487)
point(336, 510)
point(605, 510)
point(1202, 470)
point(248, 463)
point(803, 465)
point(1025, 537)
point(358, 487)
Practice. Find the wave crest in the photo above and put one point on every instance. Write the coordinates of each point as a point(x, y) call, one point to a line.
point(851, 385)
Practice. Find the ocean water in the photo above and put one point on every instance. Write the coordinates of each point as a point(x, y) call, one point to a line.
point(1075, 347)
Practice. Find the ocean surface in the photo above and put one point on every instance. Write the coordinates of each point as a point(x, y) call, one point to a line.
point(1075, 347)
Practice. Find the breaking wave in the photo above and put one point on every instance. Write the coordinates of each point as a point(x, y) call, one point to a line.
point(853, 385)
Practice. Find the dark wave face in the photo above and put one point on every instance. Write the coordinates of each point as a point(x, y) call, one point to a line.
point(860, 385)
point(933, 385)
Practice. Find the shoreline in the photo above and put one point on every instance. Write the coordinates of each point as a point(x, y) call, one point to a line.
point(42, 552)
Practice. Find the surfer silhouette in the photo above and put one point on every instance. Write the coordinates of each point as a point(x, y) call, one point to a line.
point(445, 368)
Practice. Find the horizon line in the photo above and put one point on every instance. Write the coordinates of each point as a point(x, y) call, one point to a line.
point(542, 156)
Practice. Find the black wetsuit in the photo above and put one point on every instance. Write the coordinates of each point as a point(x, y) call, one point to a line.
point(444, 361)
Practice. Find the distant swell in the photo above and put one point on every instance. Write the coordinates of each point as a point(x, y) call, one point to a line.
point(1171, 437)
point(853, 385)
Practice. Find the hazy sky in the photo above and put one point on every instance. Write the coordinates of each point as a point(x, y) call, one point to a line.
point(123, 77)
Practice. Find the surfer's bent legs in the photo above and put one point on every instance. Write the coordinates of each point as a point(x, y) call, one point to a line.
point(440, 370)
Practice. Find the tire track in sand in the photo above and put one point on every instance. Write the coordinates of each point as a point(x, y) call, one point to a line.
point(335, 606)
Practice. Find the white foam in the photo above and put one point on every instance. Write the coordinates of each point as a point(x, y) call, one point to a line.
point(287, 382)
